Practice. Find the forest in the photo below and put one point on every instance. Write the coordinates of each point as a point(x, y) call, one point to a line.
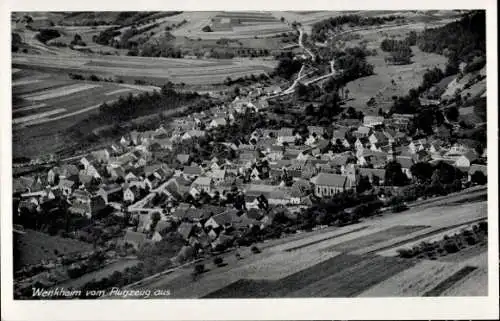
point(460, 41)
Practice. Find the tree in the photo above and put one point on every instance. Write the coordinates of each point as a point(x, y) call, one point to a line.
point(422, 171)
point(218, 261)
point(394, 175)
point(301, 90)
point(206, 29)
point(452, 113)
point(363, 184)
point(479, 178)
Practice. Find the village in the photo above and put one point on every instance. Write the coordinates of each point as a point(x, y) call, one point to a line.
point(322, 144)
point(214, 203)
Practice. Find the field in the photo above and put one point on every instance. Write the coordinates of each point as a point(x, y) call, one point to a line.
point(157, 70)
point(44, 98)
point(389, 80)
point(32, 247)
point(45, 104)
point(99, 274)
point(344, 262)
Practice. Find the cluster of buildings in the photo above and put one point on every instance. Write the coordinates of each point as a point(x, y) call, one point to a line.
point(274, 168)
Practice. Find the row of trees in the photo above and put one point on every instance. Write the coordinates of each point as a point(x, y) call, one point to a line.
point(321, 29)
point(126, 108)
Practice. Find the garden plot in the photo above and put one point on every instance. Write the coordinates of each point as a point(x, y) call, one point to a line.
point(415, 281)
point(30, 118)
point(474, 284)
point(274, 268)
point(60, 92)
point(354, 279)
point(377, 237)
point(118, 91)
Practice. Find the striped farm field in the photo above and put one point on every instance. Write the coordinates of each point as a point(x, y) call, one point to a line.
point(159, 70)
point(44, 97)
point(60, 92)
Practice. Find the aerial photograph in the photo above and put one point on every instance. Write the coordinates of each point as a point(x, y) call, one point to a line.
point(249, 154)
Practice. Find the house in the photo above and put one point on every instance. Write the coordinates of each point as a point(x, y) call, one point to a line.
point(401, 120)
point(275, 152)
point(202, 183)
point(362, 131)
point(65, 171)
point(182, 158)
point(185, 230)
point(88, 207)
point(361, 143)
point(374, 174)
point(330, 184)
point(317, 130)
point(191, 172)
point(102, 155)
point(418, 145)
point(88, 160)
point(223, 220)
point(136, 239)
point(286, 140)
point(194, 133)
point(217, 122)
point(110, 193)
point(372, 121)
point(477, 168)
point(406, 164)
point(131, 193)
point(66, 186)
point(466, 160)
point(217, 175)
point(378, 138)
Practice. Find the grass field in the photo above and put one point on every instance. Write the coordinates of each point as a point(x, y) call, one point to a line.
point(33, 247)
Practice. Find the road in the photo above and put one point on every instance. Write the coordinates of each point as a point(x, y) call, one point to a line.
point(301, 44)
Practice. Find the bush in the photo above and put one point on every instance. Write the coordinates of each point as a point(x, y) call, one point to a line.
point(199, 269)
point(218, 261)
point(451, 247)
point(255, 249)
point(399, 208)
point(406, 253)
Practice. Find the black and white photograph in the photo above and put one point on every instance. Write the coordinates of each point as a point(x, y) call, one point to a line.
point(249, 154)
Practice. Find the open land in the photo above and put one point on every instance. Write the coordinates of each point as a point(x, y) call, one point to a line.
point(330, 264)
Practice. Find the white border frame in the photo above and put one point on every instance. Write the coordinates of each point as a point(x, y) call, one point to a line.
point(256, 309)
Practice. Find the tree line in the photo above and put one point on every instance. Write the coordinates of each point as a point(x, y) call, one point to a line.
point(321, 29)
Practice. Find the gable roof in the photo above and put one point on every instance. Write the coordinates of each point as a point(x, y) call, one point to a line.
point(406, 162)
point(202, 180)
point(478, 168)
point(182, 158)
point(192, 170)
point(328, 179)
point(185, 229)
